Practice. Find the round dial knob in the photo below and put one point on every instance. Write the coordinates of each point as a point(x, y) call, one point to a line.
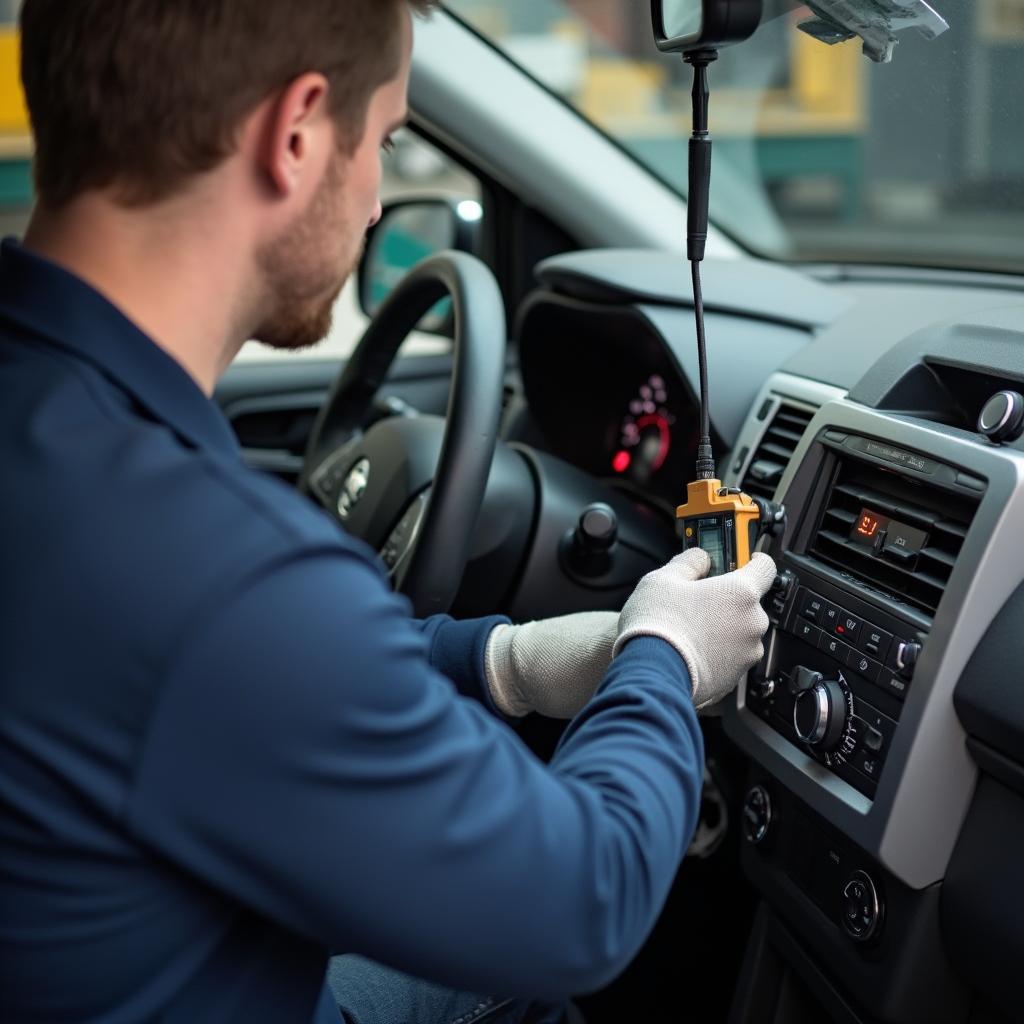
point(1002, 419)
point(819, 715)
point(598, 528)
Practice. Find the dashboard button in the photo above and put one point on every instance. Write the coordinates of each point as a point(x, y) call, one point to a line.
point(862, 907)
point(893, 684)
point(872, 720)
point(874, 641)
point(807, 631)
point(811, 607)
point(863, 665)
point(869, 763)
point(873, 739)
point(830, 618)
point(847, 626)
point(834, 646)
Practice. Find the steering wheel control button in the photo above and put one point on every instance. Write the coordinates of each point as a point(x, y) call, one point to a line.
point(862, 907)
point(757, 815)
point(403, 536)
point(354, 487)
point(327, 479)
point(1002, 418)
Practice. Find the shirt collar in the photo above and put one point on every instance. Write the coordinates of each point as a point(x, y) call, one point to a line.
point(53, 303)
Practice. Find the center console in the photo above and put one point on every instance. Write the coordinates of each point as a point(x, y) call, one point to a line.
point(901, 547)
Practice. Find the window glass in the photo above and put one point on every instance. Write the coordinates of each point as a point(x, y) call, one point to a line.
point(819, 152)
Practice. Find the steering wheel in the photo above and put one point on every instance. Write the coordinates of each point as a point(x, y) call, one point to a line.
point(412, 487)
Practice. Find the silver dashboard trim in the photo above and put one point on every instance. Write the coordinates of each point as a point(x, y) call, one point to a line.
point(928, 780)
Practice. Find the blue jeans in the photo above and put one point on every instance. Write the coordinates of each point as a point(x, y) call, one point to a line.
point(367, 993)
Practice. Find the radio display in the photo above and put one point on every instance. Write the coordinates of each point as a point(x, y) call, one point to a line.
point(881, 533)
point(869, 526)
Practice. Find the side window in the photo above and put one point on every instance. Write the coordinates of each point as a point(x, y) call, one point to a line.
point(414, 169)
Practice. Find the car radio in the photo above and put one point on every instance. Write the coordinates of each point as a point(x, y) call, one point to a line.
point(854, 602)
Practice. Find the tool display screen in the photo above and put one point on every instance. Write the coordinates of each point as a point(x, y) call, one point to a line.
point(711, 537)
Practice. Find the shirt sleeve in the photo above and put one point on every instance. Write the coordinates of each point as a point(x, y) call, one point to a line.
point(456, 649)
point(306, 760)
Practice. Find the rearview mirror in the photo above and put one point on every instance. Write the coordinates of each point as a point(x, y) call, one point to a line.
point(684, 25)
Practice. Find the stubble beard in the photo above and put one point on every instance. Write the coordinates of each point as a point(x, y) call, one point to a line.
point(302, 275)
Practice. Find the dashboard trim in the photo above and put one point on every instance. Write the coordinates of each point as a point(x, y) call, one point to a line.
point(926, 787)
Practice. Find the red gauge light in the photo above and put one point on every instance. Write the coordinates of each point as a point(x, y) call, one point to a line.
point(621, 461)
point(664, 437)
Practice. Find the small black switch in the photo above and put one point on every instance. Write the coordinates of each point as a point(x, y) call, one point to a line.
point(873, 739)
point(801, 679)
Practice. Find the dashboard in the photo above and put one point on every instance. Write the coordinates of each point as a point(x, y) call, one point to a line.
point(612, 403)
point(886, 762)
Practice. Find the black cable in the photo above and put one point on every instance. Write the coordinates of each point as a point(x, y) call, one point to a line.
point(696, 239)
point(705, 456)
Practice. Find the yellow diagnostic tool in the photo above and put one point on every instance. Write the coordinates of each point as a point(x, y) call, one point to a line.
point(724, 522)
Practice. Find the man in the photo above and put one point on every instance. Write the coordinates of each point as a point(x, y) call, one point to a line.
point(225, 750)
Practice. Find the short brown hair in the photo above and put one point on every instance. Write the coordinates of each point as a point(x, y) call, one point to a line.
point(143, 94)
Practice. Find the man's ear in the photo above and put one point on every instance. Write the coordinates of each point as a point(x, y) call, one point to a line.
point(298, 128)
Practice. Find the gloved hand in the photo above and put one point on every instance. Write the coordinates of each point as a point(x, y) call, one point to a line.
point(715, 624)
point(553, 666)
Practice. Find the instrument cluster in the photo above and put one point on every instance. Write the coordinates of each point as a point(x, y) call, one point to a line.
point(622, 413)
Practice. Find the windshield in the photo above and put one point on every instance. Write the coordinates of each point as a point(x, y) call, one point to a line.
point(819, 152)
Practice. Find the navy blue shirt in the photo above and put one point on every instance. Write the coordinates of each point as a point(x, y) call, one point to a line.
point(226, 751)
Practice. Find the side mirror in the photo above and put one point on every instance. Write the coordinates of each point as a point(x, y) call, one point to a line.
point(410, 230)
point(681, 26)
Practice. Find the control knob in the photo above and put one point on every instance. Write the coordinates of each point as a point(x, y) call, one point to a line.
point(1002, 419)
point(819, 714)
point(862, 907)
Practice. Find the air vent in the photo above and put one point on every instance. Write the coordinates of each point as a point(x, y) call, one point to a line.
point(776, 449)
point(892, 533)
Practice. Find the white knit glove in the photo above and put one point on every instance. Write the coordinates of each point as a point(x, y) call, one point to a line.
point(552, 667)
point(715, 624)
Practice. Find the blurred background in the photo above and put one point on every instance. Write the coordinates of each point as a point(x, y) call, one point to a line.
point(820, 154)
